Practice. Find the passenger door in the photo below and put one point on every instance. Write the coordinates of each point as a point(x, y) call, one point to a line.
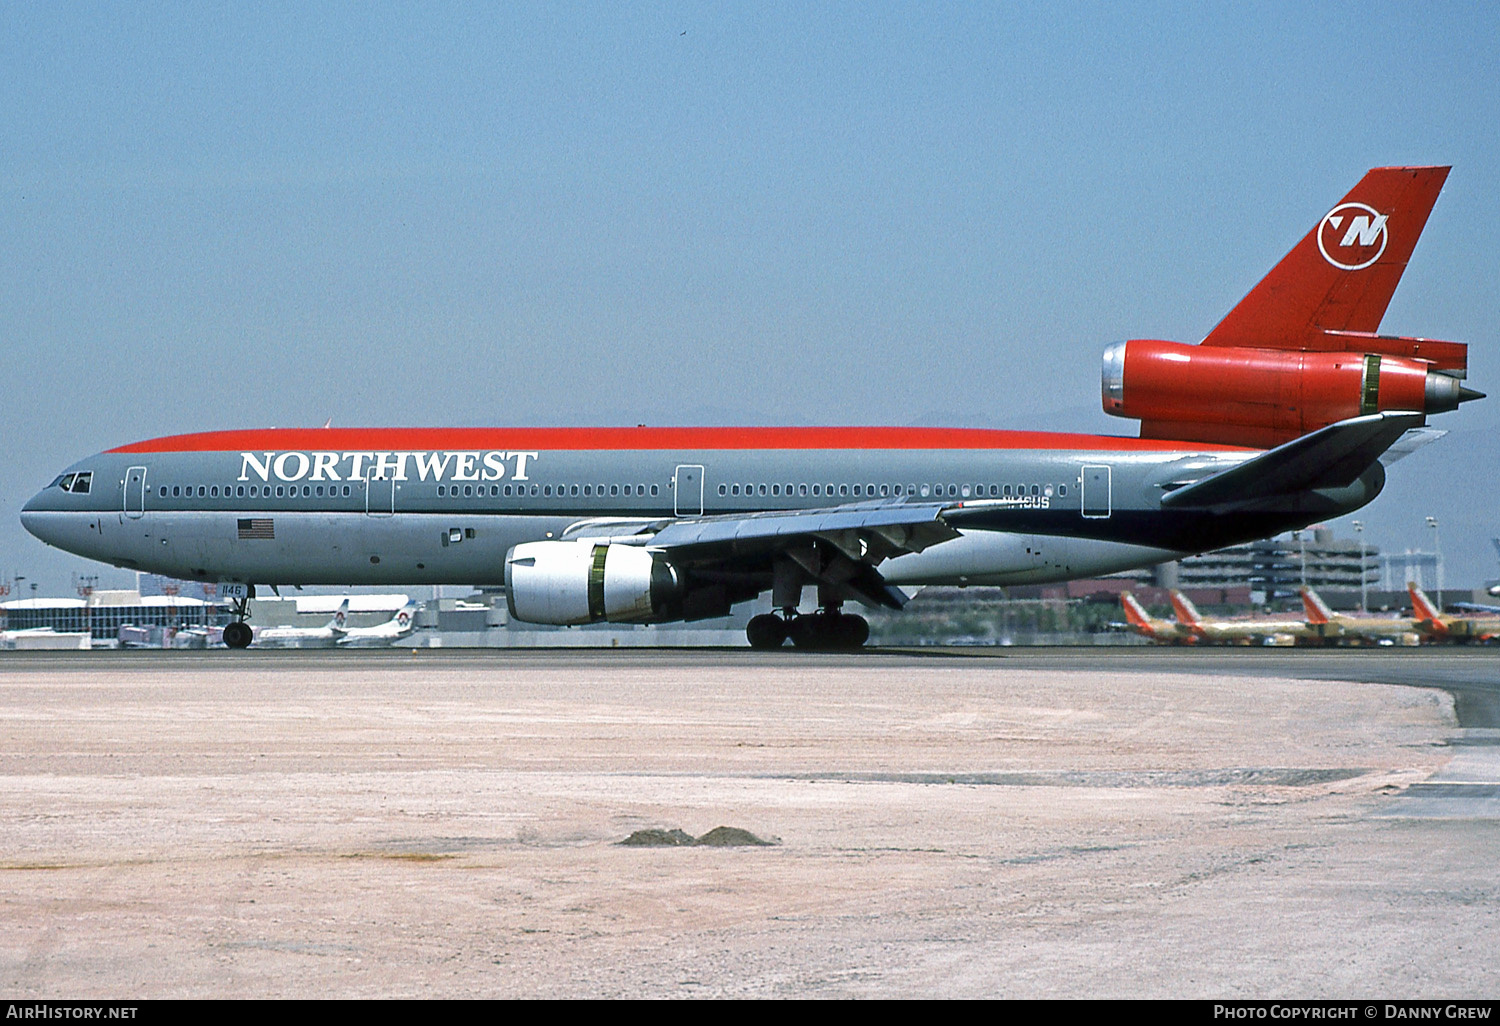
point(1096, 492)
point(380, 493)
point(687, 490)
point(135, 492)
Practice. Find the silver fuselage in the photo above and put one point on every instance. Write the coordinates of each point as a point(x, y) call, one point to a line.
point(394, 506)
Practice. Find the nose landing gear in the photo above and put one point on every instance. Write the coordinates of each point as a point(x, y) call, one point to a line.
point(237, 633)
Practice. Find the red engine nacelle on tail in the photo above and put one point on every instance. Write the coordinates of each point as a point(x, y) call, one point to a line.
point(1262, 397)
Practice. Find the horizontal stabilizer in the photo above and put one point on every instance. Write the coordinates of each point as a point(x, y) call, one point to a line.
point(1331, 457)
point(1410, 442)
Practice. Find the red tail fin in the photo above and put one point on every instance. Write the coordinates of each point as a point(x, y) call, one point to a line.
point(1134, 614)
point(1316, 609)
point(1187, 613)
point(1339, 278)
point(1422, 606)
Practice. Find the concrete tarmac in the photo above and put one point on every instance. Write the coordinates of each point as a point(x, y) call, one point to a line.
point(1022, 823)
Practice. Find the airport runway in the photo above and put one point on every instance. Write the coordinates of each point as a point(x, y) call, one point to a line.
point(1011, 823)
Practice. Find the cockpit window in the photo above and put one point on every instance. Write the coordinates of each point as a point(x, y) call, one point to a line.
point(66, 482)
point(81, 482)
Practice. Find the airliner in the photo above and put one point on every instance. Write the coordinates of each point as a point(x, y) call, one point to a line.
point(326, 636)
point(1278, 418)
point(1462, 629)
point(1264, 631)
point(1380, 629)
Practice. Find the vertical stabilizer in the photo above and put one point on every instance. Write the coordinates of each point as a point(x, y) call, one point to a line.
point(1423, 608)
point(1341, 276)
point(1316, 609)
point(1134, 614)
point(1187, 613)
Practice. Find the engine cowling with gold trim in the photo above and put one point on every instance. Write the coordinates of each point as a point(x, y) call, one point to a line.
point(583, 581)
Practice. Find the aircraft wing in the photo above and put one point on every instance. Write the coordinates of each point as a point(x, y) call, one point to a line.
point(867, 531)
point(1331, 457)
point(838, 546)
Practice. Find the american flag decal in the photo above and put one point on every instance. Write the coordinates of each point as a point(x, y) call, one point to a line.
point(260, 527)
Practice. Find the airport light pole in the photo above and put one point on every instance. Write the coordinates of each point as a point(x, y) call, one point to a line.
point(1359, 532)
point(1437, 551)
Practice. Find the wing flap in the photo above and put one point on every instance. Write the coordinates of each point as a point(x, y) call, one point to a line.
point(882, 529)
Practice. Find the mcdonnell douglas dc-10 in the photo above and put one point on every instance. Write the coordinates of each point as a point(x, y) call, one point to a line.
point(1280, 417)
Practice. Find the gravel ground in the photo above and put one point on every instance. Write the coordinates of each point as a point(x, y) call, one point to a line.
point(353, 825)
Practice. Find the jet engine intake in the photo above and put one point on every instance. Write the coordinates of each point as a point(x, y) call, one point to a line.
point(1262, 397)
point(578, 582)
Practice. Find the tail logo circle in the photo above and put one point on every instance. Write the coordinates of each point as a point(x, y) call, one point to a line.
point(1356, 232)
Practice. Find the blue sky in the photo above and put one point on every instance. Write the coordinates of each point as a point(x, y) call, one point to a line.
point(249, 215)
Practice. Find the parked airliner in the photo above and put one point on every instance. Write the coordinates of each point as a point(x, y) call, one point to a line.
point(1277, 419)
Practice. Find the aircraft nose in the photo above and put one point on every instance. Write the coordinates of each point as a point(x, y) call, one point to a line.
point(33, 518)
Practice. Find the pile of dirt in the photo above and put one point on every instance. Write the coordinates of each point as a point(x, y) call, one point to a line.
point(718, 837)
point(654, 838)
point(730, 837)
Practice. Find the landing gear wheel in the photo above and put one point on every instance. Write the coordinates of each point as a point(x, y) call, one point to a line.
point(826, 631)
point(766, 631)
point(237, 634)
point(853, 631)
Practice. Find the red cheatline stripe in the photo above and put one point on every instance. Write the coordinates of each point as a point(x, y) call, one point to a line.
point(677, 438)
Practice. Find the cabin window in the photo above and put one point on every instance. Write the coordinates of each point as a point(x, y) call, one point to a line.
point(723, 489)
point(776, 489)
point(546, 489)
point(653, 489)
point(856, 490)
point(925, 490)
point(1062, 490)
point(468, 532)
point(802, 490)
point(278, 491)
point(533, 491)
point(965, 491)
point(817, 489)
point(571, 491)
point(1036, 489)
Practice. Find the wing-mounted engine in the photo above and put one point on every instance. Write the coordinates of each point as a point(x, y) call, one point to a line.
point(578, 582)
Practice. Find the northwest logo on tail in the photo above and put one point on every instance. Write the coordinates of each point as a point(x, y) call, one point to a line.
point(1356, 232)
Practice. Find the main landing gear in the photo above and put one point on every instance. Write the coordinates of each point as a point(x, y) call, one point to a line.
point(237, 633)
point(827, 629)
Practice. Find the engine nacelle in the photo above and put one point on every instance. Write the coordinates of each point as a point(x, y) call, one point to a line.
point(578, 582)
point(1262, 397)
